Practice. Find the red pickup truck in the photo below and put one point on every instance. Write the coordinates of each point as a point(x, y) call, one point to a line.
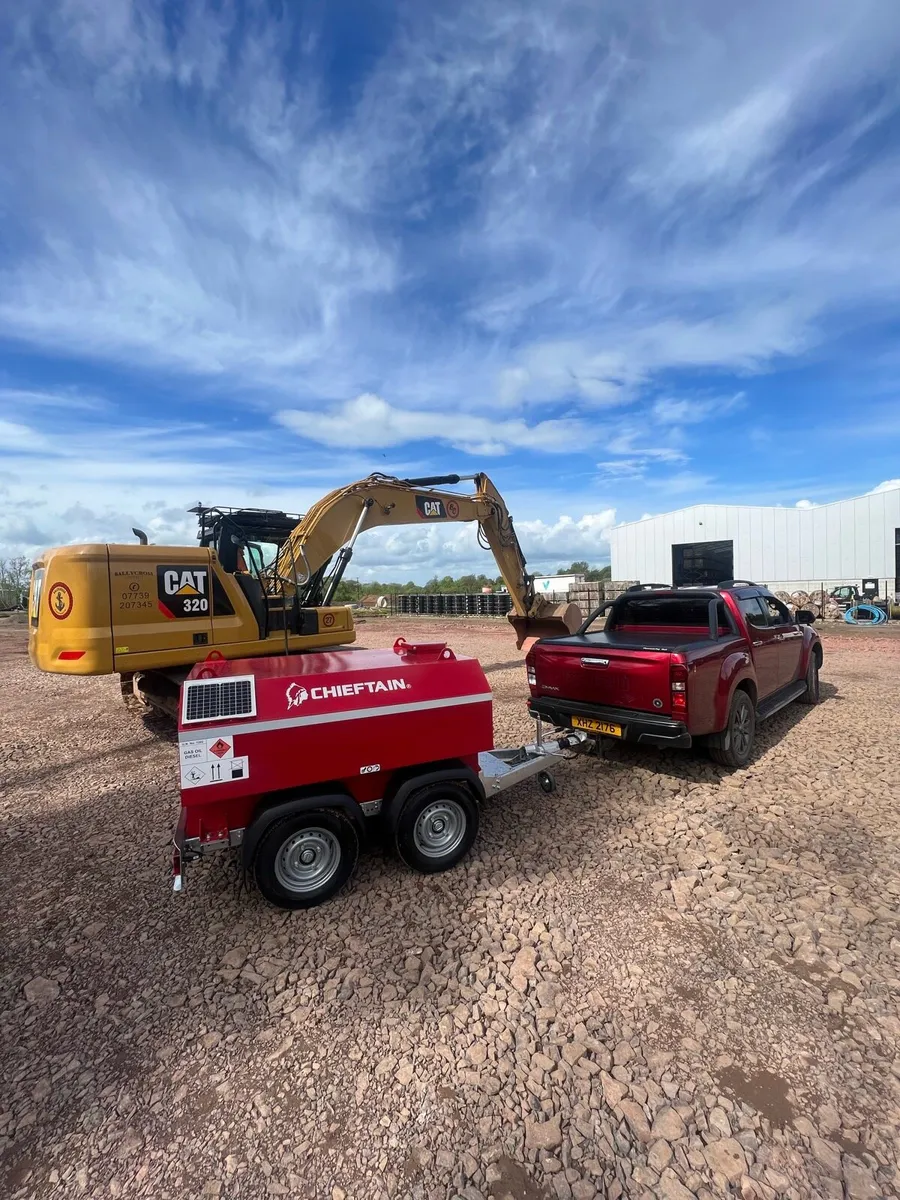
point(679, 667)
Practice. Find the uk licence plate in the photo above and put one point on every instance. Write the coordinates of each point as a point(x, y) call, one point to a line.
point(607, 728)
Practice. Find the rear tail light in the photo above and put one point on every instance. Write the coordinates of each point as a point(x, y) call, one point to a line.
point(531, 675)
point(678, 676)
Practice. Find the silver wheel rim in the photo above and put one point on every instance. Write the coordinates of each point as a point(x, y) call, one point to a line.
point(308, 860)
point(439, 829)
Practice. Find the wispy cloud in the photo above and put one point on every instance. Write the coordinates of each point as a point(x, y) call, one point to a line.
point(670, 410)
point(545, 232)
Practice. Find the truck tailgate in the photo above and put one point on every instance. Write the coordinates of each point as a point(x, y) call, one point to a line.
point(598, 672)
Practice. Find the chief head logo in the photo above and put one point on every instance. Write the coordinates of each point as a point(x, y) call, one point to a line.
point(296, 693)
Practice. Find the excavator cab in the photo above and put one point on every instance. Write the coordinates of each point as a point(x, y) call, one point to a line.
point(247, 542)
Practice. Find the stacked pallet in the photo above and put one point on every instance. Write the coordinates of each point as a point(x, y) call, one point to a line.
point(589, 596)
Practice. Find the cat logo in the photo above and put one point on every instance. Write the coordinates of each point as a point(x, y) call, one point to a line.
point(182, 591)
point(184, 583)
point(430, 509)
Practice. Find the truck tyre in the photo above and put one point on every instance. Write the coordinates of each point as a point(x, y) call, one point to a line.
point(811, 695)
point(305, 859)
point(436, 827)
point(734, 745)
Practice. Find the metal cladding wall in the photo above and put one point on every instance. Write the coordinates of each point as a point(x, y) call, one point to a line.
point(847, 540)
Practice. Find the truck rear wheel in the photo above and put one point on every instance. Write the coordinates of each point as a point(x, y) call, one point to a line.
point(436, 827)
point(304, 860)
point(734, 745)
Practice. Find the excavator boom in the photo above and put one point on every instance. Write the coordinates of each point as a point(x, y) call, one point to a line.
point(334, 523)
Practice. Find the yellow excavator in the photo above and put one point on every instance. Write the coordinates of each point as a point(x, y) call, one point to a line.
point(260, 582)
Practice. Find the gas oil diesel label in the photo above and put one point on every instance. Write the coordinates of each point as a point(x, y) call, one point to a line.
point(211, 760)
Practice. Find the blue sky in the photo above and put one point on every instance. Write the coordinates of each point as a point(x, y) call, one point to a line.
point(623, 257)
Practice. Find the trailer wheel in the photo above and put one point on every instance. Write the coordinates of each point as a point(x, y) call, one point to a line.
point(436, 827)
point(546, 782)
point(305, 859)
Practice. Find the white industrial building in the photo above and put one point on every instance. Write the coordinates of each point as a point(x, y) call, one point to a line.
point(785, 548)
point(555, 584)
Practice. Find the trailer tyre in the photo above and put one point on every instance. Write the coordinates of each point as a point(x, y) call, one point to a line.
point(436, 827)
point(305, 859)
point(734, 745)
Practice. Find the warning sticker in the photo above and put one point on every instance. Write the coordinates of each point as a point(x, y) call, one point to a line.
point(211, 760)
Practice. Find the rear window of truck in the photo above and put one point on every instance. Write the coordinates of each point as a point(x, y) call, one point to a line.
point(687, 612)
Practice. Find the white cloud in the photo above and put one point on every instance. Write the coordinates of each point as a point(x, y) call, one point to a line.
point(369, 421)
point(518, 229)
point(16, 436)
point(94, 486)
point(806, 504)
point(887, 486)
point(422, 551)
point(217, 218)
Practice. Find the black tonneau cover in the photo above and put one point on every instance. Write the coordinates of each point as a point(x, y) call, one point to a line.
point(672, 642)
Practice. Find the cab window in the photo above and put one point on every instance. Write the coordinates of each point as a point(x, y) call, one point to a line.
point(754, 613)
point(776, 612)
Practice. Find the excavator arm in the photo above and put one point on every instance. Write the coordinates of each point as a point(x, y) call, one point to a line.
point(334, 523)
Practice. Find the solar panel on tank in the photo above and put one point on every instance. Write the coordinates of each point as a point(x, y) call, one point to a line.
point(214, 699)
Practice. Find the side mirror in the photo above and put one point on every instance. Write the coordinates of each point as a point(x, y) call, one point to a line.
point(805, 616)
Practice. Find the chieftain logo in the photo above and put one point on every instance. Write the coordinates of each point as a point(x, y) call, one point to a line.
point(296, 694)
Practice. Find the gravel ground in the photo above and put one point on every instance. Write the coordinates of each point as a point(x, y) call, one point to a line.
point(663, 981)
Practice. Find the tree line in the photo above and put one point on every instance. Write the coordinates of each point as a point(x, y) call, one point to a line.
point(352, 589)
point(15, 576)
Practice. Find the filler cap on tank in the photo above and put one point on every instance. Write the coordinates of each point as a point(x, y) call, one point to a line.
point(422, 649)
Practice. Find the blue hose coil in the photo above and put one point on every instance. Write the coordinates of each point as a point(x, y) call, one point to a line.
point(852, 615)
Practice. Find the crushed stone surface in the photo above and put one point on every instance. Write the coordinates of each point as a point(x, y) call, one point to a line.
point(664, 980)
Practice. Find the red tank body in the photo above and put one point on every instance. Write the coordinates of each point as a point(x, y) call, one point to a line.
point(255, 728)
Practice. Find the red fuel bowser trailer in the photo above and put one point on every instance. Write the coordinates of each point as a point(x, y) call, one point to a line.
point(300, 760)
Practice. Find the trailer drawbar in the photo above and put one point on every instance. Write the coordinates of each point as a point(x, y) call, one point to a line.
point(297, 762)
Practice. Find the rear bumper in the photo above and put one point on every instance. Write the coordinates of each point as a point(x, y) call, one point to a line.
point(646, 728)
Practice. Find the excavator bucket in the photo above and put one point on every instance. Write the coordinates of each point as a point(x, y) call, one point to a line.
point(548, 621)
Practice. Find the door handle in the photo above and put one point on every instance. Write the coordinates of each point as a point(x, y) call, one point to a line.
point(759, 643)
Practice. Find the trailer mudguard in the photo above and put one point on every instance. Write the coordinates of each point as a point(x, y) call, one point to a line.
point(267, 816)
point(455, 772)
